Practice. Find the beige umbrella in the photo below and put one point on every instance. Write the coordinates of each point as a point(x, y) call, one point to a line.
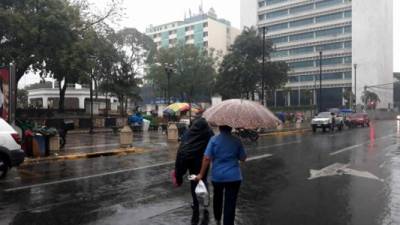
point(238, 113)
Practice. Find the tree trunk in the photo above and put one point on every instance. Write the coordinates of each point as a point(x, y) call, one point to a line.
point(126, 105)
point(96, 88)
point(61, 101)
point(121, 105)
point(253, 97)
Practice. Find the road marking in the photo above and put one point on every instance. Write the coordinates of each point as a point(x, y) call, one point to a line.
point(338, 169)
point(258, 157)
point(349, 148)
point(87, 177)
point(279, 145)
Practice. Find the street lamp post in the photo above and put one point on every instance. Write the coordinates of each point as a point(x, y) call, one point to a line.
point(91, 103)
point(355, 85)
point(168, 70)
point(320, 81)
point(263, 70)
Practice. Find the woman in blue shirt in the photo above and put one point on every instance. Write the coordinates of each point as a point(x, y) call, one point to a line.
point(224, 151)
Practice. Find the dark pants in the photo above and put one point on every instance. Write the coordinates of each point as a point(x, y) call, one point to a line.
point(229, 205)
point(194, 167)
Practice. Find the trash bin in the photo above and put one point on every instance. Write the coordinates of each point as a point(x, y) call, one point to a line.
point(38, 145)
point(146, 125)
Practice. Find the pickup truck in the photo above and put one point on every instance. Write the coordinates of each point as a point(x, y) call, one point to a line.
point(324, 120)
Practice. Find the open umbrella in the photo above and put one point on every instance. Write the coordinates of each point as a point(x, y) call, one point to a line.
point(238, 113)
point(181, 107)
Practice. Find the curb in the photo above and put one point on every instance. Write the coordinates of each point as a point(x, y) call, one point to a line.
point(287, 132)
point(84, 155)
point(87, 131)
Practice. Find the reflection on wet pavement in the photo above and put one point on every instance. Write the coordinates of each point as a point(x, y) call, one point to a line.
point(358, 183)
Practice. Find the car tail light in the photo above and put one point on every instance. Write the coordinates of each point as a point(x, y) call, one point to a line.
point(16, 138)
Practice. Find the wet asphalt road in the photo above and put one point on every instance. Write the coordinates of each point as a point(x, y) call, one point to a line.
point(350, 177)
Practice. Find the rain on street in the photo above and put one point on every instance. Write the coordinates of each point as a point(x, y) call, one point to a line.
point(348, 177)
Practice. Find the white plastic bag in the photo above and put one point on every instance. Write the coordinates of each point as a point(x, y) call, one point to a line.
point(201, 191)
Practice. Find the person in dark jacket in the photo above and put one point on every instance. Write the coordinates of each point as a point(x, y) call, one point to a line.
point(189, 158)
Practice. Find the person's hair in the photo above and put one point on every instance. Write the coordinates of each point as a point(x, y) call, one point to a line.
point(225, 129)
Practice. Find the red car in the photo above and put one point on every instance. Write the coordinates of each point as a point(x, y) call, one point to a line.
point(358, 119)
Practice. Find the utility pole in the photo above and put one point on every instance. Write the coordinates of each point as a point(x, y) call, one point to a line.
point(263, 70)
point(320, 81)
point(355, 86)
point(91, 103)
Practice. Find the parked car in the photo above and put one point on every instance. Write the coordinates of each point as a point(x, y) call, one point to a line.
point(325, 120)
point(358, 119)
point(11, 154)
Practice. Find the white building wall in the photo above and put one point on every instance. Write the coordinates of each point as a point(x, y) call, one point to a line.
point(248, 13)
point(217, 36)
point(373, 47)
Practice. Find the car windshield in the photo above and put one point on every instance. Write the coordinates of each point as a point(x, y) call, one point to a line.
point(324, 115)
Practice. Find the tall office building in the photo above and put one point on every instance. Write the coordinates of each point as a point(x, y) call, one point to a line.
point(204, 30)
point(354, 38)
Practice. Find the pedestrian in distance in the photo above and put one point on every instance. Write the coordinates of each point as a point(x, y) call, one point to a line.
point(189, 158)
point(224, 152)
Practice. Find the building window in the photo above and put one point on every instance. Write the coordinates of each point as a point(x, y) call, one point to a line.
point(205, 24)
point(327, 3)
point(271, 2)
point(306, 78)
point(328, 47)
point(330, 17)
point(300, 9)
point(304, 22)
point(347, 29)
point(261, 17)
point(205, 34)
point(303, 50)
point(347, 75)
point(261, 4)
point(347, 44)
point(330, 32)
point(332, 76)
point(347, 14)
point(330, 61)
point(276, 27)
point(205, 44)
point(304, 64)
point(303, 36)
point(277, 14)
point(280, 40)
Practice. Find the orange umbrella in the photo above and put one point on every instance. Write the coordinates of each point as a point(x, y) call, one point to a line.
point(238, 113)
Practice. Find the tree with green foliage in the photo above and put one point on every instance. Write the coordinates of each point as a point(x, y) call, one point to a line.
point(193, 74)
point(22, 99)
point(241, 74)
point(122, 66)
point(50, 37)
